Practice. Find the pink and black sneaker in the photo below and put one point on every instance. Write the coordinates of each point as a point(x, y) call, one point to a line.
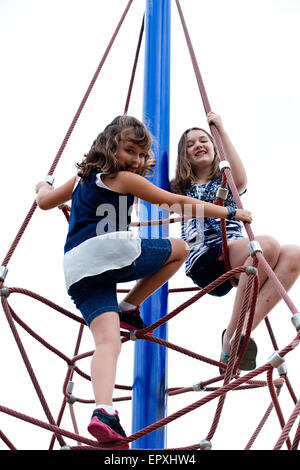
point(106, 428)
point(131, 320)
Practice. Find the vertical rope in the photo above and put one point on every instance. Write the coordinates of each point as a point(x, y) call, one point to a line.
point(261, 424)
point(231, 364)
point(137, 54)
point(276, 403)
point(268, 270)
point(288, 427)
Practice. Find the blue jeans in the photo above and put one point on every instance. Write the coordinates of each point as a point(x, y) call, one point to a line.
point(94, 295)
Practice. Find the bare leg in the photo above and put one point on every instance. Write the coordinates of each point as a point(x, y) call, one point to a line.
point(106, 327)
point(285, 261)
point(106, 333)
point(145, 287)
point(287, 271)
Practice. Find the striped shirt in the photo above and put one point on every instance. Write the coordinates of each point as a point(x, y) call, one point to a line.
point(202, 233)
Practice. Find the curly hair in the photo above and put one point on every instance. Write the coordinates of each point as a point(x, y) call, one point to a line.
point(184, 172)
point(103, 153)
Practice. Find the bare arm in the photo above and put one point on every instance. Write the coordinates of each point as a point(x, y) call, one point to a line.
point(127, 182)
point(237, 167)
point(49, 197)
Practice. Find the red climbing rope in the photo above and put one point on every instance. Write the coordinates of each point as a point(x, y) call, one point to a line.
point(231, 380)
point(68, 134)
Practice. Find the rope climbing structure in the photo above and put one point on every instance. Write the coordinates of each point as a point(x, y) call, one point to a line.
point(218, 386)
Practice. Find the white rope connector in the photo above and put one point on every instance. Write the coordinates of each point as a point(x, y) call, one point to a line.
point(282, 370)
point(296, 321)
point(254, 247)
point(49, 179)
point(198, 387)
point(3, 273)
point(222, 193)
point(70, 387)
point(71, 399)
point(205, 445)
point(251, 270)
point(132, 335)
point(276, 360)
point(4, 292)
point(224, 164)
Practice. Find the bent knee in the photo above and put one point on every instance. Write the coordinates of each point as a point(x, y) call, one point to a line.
point(291, 254)
point(270, 247)
point(106, 331)
point(180, 249)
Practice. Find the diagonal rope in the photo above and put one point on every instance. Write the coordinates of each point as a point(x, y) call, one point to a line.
point(277, 284)
point(67, 136)
point(219, 392)
point(134, 66)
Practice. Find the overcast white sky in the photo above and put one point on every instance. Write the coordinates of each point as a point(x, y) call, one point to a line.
point(248, 54)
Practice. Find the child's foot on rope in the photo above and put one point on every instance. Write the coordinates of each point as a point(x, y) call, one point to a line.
point(224, 359)
point(131, 320)
point(106, 428)
point(224, 356)
point(249, 359)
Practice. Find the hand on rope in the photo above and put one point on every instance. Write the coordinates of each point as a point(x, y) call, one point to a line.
point(43, 185)
point(213, 118)
point(43, 188)
point(242, 215)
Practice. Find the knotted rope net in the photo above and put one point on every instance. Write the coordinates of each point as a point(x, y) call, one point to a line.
point(230, 381)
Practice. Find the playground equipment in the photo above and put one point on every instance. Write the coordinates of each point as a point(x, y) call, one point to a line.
point(147, 431)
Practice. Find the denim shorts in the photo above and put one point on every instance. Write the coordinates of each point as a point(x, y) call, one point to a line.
point(208, 268)
point(94, 295)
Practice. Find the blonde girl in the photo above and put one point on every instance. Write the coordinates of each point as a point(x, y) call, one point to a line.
point(198, 176)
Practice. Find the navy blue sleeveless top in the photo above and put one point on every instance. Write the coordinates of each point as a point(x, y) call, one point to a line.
point(96, 211)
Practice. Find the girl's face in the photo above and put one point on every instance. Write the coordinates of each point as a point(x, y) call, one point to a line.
point(131, 156)
point(199, 148)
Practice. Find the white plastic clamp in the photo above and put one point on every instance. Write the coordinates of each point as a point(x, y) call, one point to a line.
point(222, 193)
point(49, 179)
point(71, 399)
point(3, 273)
point(198, 387)
point(296, 321)
point(251, 270)
point(254, 247)
point(4, 292)
point(205, 445)
point(132, 335)
point(70, 387)
point(276, 360)
point(282, 370)
point(224, 164)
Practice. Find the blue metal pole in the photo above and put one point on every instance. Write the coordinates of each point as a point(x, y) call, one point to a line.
point(149, 400)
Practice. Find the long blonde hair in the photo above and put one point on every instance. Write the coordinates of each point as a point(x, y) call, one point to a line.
point(184, 172)
point(103, 153)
